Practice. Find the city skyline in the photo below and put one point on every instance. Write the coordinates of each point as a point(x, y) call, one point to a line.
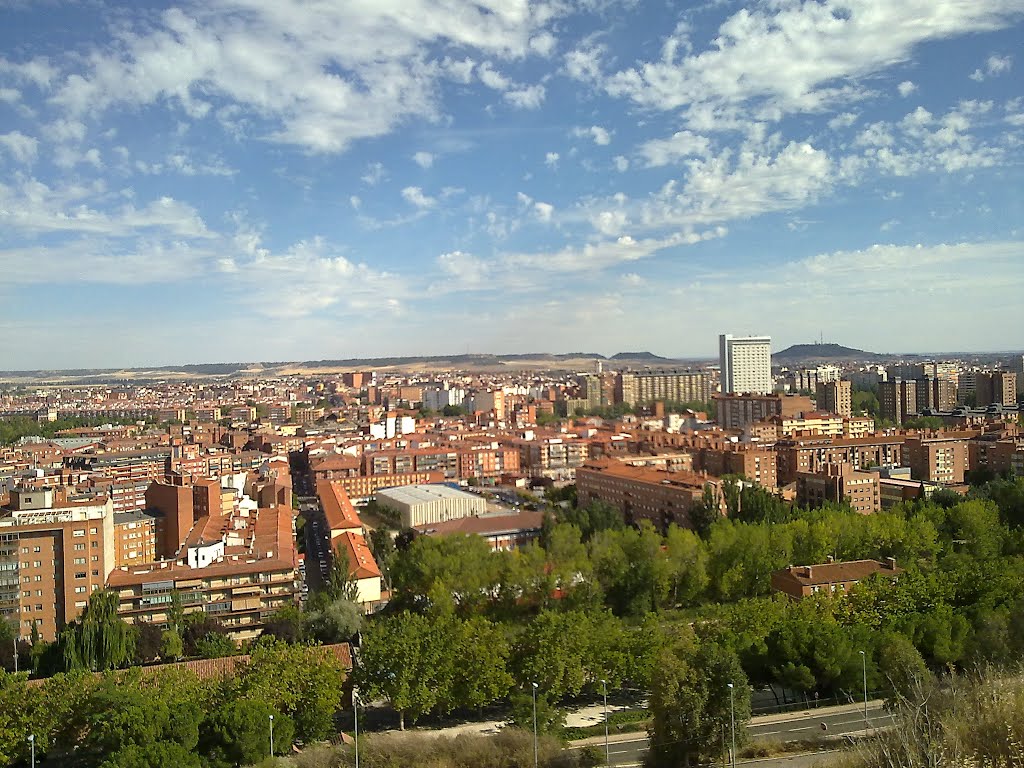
point(254, 180)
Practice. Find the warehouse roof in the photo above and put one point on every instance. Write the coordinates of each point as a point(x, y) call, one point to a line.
point(423, 494)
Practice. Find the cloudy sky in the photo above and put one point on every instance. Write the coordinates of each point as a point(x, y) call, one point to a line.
point(234, 180)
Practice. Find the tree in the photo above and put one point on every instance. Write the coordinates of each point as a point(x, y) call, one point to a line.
point(336, 622)
point(172, 647)
point(690, 703)
point(481, 674)
point(301, 681)
point(286, 624)
point(215, 645)
point(148, 637)
point(687, 561)
point(237, 732)
point(550, 719)
point(98, 639)
point(553, 651)
point(198, 628)
point(162, 754)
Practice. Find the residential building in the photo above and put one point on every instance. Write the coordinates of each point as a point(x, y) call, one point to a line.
point(836, 396)
point(363, 487)
point(739, 411)
point(135, 537)
point(996, 387)
point(839, 484)
point(941, 458)
point(897, 399)
point(746, 364)
point(644, 493)
point(53, 555)
point(800, 581)
point(351, 548)
point(647, 387)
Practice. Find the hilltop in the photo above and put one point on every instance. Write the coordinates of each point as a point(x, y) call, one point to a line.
point(823, 352)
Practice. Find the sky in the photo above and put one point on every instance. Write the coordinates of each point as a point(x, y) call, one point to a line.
point(265, 180)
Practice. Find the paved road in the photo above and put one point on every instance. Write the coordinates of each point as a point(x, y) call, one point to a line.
point(796, 727)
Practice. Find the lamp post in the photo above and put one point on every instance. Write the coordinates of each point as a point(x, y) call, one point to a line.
point(32, 746)
point(607, 753)
point(864, 666)
point(15, 641)
point(271, 735)
point(534, 725)
point(732, 720)
point(355, 718)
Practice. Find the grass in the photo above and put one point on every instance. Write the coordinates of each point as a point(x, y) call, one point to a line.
point(623, 721)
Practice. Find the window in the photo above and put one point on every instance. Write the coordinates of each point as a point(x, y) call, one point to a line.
point(79, 590)
point(24, 550)
point(95, 558)
point(94, 531)
point(38, 578)
point(37, 563)
point(95, 572)
point(79, 547)
point(39, 607)
point(79, 532)
point(95, 545)
point(79, 561)
point(25, 579)
point(39, 593)
point(80, 604)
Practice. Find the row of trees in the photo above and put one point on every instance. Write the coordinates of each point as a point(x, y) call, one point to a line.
point(169, 717)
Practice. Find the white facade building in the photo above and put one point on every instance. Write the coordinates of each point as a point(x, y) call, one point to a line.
point(746, 364)
point(422, 504)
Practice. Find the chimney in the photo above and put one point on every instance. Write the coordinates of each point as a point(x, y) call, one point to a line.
point(808, 572)
point(890, 563)
point(830, 559)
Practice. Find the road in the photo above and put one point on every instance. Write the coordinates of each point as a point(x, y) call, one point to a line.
point(796, 726)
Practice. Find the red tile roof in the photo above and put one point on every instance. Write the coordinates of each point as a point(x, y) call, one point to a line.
point(361, 564)
point(338, 509)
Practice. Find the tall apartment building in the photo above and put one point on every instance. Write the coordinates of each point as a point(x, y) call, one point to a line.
point(673, 386)
point(53, 555)
point(996, 387)
point(897, 399)
point(746, 364)
point(935, 394)
point(836, 396)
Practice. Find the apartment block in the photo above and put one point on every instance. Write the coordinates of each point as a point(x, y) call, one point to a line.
point(836, 397)
point(364, 487)
point(812, 454)
point(746, 364)
point(935, 394)
point(53, 555)
point(135, 537)
point(996, 387)
point(644, 493)
point(937, 459)
point(897, 399)
point(839, 484)
point(739, 411)
point(670, 386)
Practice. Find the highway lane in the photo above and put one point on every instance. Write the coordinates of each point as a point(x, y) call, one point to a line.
point(798, 726)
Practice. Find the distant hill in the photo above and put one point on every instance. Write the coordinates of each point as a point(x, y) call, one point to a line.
point(649, 356)
point(822, 352)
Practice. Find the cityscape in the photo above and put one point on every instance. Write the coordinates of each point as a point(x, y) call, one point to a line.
point(511, 384)
point(215, 507)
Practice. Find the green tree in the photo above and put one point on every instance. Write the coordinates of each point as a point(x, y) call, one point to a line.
point(161, 754)
point(215, 645)
point(687, 562)
point(172, 647)
point(691, 706)
point(300, 681)
point(335, 622)
point(553, 651)
point(98, 639)
point(237, 732)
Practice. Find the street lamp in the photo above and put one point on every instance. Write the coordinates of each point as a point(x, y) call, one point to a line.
point(534, 725)
point(271, 735)
point(32, 746)
point(864, 665)
point(732, 720)
point(607, 754)
point(355, 718)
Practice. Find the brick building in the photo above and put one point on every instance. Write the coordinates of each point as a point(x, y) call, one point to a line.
point(839, 484)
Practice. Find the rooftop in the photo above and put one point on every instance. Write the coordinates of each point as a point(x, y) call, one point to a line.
point(420, 494)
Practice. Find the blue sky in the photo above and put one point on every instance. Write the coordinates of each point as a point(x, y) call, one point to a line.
point(278, 180)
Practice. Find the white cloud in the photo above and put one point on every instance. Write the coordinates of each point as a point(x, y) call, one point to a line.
point(994, 66)
point(842, 120)
point(906, 88)
point(468, 270)
point(20, 147)
point(355, 201)
point(38, 71)
point(543, 211)
point(786, 57)
point(621, 164)
point(415, 196)
point(585, 63)
point(551, 159)
point(316, 76)
point(492, 78)
point(600, 136)
point(682, 144)
point(529, 97)
point(374, 174)
point(423, 159)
